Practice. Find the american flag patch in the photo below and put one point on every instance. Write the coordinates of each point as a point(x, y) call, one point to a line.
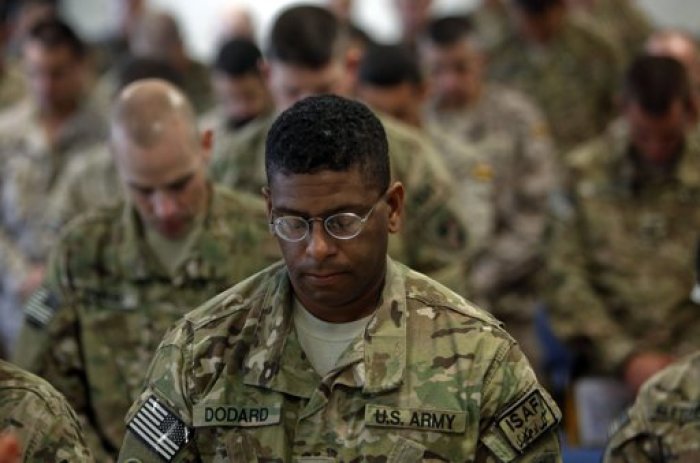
point(40, 307)
point(159, 429)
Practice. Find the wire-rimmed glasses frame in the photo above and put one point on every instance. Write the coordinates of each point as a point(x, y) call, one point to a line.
point(341, 225)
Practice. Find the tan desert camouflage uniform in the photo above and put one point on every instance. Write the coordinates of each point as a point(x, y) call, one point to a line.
point(40, 417)
point(431, 379)
point(622, 267)
point(113, 301)
point(513, 140)
point(663, 425)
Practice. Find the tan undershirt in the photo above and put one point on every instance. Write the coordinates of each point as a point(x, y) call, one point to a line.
point(172, 253)
point(323, 342)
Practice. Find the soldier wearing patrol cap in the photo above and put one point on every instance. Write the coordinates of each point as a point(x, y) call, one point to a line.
point(119, 277)
point(338, 353)
point(663, 425)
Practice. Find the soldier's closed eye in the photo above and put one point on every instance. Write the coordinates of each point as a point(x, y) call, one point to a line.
point(180, 184)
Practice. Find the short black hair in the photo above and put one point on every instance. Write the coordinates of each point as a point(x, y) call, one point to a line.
point(655, 83)
point(54, 33)
point(536, 7)
point(328, 132)
point(238, 57)
point(448, 30)
point(138, 68)
point(389, 65)
point(307, 36)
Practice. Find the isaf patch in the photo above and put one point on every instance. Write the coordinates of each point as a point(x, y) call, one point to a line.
point(41, 307)
point(526, 420)
point(158, 428)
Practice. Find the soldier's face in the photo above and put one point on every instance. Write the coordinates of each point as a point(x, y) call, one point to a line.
point(455, 72)
point(403, 101)
point(658, 138)
point(55, 75)
point(241, 98)
point(290, 83)
point(336, 280)
point(166, 182)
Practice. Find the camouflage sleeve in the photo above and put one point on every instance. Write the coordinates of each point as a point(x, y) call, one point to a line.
point(164, 399)
point(46, 425)
point(578, 315)
point(630, 443)
point(516, 250)
point(433, 235)
point(519, 420)
point(40, 310)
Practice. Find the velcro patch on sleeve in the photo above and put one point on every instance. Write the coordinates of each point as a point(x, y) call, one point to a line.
point(160, 429)
point(527, 419)
point(41, 307)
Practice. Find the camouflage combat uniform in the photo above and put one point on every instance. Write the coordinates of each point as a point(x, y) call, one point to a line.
point(113, 301)
point(29, 171)
point(432, 239)
point(431, 378)
point(621, 268)
point(88, 182)
point(664, 423)
point(514, 142)
point(572, 79)
point(12, 85)
point(40, 417)
point(622, 22)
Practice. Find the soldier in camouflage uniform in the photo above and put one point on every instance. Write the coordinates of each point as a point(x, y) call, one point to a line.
point(118, 278)
point(664, 423)
point(620, 266)
point(308, 55)
point(622, 22)
point(570, 71)
point(514, 139)
point(390, 82)
point(338, 353)
point(38, 137)
point(41, 419)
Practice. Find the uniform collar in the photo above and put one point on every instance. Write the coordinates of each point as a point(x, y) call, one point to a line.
point(142, 264)
point(374, 362)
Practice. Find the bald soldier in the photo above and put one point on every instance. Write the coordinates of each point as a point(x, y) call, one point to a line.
point(664, 422)
point(338, 353)
point(36, 422)
point(308, 54)
point(120, 277)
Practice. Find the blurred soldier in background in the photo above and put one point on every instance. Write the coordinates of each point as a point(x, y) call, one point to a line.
point(662, 426)
point(620, 267)
point(622, 22)
point(38, 137)
point(120, 277)
point(514, 140)
point(571, 72)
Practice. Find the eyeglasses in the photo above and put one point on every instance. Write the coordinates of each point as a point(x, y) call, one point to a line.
point(341, 226)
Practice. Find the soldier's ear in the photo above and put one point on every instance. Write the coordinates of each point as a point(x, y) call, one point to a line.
point(207, 143)
point(268, 199)
point(395, 198)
